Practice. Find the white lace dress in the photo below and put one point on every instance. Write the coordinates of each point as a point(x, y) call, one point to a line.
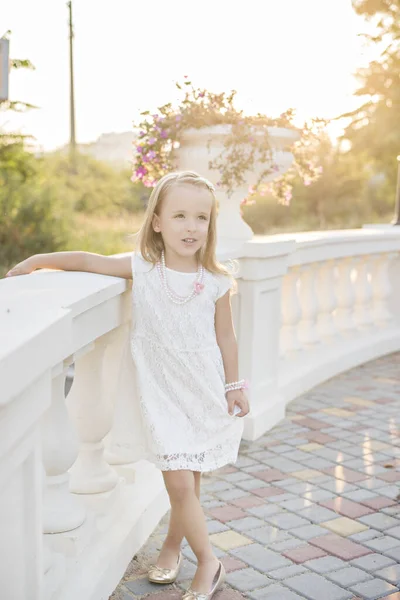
point(179, 371)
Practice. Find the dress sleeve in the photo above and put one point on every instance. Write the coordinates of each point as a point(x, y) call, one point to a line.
point(224, 284)
point(133, 265)
point(139, 265)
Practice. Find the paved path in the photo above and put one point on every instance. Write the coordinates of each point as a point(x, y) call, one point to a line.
point(309, 510)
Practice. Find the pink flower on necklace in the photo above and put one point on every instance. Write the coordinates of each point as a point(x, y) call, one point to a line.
point(198, 287)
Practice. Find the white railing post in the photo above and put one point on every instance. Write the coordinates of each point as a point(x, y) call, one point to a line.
point(258, 322)
point(345, 296)
point(21, 494)
point(309, 305)
point(290, 313)
point(363, 293)
point(62, 511)
point(92, 415)
point(125, 442)
point(381, 287)
point(326, 299)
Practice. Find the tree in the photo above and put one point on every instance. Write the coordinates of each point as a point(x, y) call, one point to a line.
point(31, 217)
point(337, 199)
point(374, 130)
point(93, 186)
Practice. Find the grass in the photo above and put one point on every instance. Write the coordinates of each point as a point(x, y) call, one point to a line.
point(105, 235)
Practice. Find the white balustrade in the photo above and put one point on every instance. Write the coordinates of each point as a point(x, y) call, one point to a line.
point(308, 331)
point(327, 301)
point(77, 500)
point(125, 442)
point(62, 510)
point(363, 293)
point(345, 296)
point(92, 414)
point(381, 288)
point(291, 314)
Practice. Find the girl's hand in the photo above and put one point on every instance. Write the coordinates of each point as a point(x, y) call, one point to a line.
point(23, 268)
point(239, 398)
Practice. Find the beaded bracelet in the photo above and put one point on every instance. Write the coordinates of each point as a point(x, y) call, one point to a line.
point(236, 385)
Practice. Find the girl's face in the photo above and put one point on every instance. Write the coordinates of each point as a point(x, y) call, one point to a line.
point(184, 219)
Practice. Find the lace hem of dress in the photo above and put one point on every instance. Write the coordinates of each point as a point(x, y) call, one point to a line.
point(210, 460)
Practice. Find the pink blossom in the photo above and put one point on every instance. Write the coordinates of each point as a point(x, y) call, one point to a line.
point(155, 117)
point(151, 154)
point(152, 141)
point(163, 134)
point(201, 95)
point(142, 133)
point(140, 171)
point(178, 118)
point(139, 149)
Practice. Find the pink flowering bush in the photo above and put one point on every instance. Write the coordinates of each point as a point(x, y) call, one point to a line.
point(160, 134)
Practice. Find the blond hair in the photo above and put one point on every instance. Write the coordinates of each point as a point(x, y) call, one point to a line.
point(150, 242)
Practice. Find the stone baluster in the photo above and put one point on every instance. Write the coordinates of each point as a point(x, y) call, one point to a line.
point(363, 313)
point(381, 287)
point(125, 442)
point(307, 327)
point(92, 414)
point(62, 511)
point(290, 313)
point(345, 296)
point(326, 299)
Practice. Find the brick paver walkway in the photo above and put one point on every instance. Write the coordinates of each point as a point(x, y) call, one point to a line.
point(309, 510)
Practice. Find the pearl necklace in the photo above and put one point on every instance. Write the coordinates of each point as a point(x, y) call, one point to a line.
point(175, 298)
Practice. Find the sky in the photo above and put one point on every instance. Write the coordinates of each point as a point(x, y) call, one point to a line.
point(128, 55)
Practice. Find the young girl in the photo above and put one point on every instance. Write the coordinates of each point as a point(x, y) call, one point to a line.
point(185, 352)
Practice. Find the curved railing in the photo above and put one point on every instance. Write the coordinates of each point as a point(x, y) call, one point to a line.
point(76, 502)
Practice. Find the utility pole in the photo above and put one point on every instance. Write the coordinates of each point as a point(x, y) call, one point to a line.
point(4, 67)
point(396, 219)
point(72, 141)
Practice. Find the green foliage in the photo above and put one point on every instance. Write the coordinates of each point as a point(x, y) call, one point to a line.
point(343, 197)
point(374, 131)
point(92, 186)
point(31, 216)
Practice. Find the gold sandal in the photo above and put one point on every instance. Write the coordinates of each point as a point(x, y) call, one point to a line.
point(161, 575)
point(219, 579)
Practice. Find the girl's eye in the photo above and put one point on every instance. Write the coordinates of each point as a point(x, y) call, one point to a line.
point(203, 217)
point(177, 216)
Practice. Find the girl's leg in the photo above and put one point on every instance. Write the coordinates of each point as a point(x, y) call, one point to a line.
point(189, 513)
point(172, 543)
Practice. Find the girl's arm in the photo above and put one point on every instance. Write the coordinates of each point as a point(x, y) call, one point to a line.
point(118, 266)
point(227, 343)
